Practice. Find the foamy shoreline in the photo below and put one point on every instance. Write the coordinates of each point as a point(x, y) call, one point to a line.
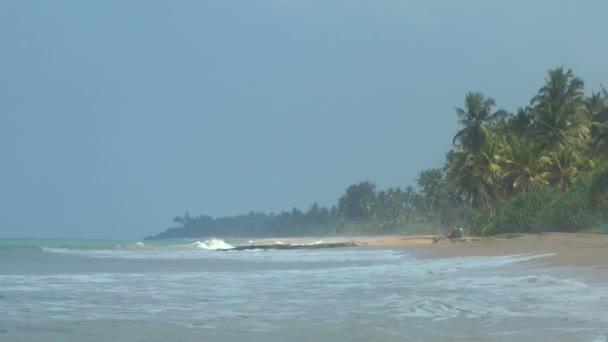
point(567, 249)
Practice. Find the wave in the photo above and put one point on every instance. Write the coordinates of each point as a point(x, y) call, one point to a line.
point(96, 253)
point(307, 244)
point(141, 251)
point(84, 249)
point(54, 250)
point(212, 244)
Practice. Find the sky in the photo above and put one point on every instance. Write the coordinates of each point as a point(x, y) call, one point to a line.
point(116, 116)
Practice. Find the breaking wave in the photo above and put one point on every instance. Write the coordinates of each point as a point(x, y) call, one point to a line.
point(139, 250)
point(212, 244)
point(308, 244)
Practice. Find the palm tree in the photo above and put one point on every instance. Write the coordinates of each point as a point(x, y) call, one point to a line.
point(413, 204)
point(391, 206)
point(432, 187)
point(359, 201)
point(597, 107)
point(565, 165)
point(521, 122)
point(560, 118)
point(473, 169)
point(522, 165)
point(475, 176)
point(476, 118)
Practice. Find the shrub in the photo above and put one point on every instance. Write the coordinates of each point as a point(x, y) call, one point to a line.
point(478, 222)
point(521, 213)
point(599, 194)
point(571, 211)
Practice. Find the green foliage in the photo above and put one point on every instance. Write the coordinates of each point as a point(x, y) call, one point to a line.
point(523, 172)
point(359, 202)
point(520, 214)
point(582, 208)
point(523, 165)
point(560, 118)
point(571, 211)
point(438, 202)
point(475, 119)
point(543, 168)
point(316, 221)
point(474, 176)
point(599, 193)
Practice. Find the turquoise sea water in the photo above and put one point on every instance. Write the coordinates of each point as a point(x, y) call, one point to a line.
point(65, 290)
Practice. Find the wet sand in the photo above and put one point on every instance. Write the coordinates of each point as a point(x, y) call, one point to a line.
point(569, 249)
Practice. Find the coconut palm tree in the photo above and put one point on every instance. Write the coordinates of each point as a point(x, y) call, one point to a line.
point(359, 201)
point(522, 165)
point(473, 169)
point(565, 166)
point(597, 107)
point(475, 176)
point(432, 187)
point(476, 119)
point(521, 123)
point(560, 118)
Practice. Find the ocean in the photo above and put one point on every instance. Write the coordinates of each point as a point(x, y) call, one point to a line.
point(182, 290)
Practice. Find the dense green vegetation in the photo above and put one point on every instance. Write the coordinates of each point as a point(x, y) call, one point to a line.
point(544, 167)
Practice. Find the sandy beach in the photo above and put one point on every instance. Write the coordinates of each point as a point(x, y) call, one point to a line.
point(568, 249)
point(389, 288)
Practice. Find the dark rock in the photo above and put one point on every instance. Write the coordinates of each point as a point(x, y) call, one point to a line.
point(288, 246)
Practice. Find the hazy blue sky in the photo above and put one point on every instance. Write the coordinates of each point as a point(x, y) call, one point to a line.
point(115, 116)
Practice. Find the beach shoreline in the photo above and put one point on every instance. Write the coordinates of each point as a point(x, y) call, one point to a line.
point(562, 249)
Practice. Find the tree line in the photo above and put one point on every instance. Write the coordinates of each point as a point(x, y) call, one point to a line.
point(544, 167)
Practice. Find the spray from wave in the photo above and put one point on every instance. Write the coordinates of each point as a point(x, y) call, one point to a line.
point(212, 244)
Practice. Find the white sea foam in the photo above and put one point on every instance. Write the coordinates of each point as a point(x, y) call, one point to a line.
point(308, 244)
point(139, 250)
point(212, 244)
point(387, 289)
point(54, 250)
point(95, 253)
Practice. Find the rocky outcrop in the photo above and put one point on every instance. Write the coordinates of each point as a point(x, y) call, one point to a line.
point(295, 246)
